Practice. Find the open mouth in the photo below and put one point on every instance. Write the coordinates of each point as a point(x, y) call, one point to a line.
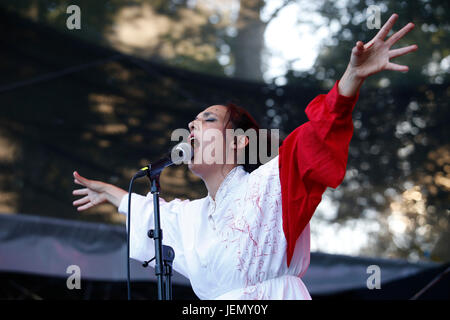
point(194, 142)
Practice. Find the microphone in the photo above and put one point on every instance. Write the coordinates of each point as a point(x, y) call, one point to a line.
point(181, 153)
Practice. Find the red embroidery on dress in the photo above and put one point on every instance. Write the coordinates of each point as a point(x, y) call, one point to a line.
point(254, 231)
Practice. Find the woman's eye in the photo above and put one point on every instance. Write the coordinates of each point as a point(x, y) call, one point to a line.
point(210, 120)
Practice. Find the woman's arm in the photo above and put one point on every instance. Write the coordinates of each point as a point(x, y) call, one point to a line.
point(96, 192)
point(142, 220)
point(322, 148)
point(314, 156)
point(373, 57)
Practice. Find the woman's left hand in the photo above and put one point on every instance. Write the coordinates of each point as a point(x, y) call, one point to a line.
point(374, 56)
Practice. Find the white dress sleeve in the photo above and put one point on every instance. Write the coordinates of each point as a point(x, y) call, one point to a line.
point(142, 248)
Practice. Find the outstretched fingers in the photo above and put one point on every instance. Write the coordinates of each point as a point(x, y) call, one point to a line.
point(81, 201)
point(80, 192)
point(399, 34)
point(396, 67)
point(387, 27)
point(402, 51)
point(85, 207)
point(80, 180)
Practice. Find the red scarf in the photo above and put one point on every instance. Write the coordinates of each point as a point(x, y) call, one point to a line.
point(312, 158)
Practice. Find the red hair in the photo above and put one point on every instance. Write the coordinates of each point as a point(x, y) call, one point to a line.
point(240, 118)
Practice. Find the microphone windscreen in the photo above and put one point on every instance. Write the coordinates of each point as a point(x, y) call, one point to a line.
point(182, 153)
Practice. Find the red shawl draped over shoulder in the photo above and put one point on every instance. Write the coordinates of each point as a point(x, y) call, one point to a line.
point(312, 158)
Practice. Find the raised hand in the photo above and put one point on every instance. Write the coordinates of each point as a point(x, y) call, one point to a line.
point(374, 56)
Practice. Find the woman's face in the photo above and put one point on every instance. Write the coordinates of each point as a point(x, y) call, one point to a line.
point(207, 131)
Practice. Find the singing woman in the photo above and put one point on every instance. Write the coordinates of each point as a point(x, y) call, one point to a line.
point(249, 238)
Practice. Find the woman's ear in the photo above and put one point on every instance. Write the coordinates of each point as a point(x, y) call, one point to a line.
point(240, 142)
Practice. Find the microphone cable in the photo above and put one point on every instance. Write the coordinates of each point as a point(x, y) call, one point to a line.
point(139, 174)
point(128, 239)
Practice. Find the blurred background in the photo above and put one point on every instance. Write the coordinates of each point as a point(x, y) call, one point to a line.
point(104, 99)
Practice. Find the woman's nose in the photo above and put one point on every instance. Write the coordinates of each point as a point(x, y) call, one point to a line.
point(191, 125)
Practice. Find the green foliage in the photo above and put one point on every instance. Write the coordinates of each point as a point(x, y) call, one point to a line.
point(399, 162)
point(401, 134)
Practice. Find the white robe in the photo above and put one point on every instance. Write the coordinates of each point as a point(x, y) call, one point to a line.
point(230, 248)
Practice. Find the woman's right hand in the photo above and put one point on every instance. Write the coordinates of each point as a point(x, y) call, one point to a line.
point(95, 192)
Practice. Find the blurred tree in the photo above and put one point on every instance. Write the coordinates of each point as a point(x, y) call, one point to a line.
point(167, 31)
point(249, 42)
point(216, 37)
point(399, 164)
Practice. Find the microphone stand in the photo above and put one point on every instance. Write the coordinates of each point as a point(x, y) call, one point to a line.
point(164, 255)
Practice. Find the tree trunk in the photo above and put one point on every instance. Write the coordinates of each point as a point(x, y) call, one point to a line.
point(249, 43)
